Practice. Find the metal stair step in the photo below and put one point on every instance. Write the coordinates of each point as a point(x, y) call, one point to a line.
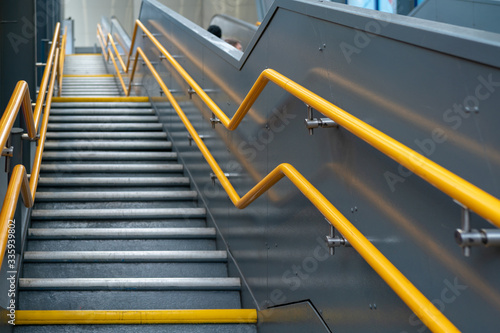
point(104, 127)
point(103, 119)
point(61, 270)
point(130, 284)
point(64, 196)
point(125, 256)
point(138, 213)
point(108, 156)
point(113, 181)
point(106, 135)
point(111, 167)
point(110, 105)
point(109, 145)
point(120, 233)
point(128, 300)
point(122, 112)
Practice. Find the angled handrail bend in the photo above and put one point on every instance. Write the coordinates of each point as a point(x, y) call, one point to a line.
point(20, 99)
point(415, 300)
point(469, 195)
point(19, 181)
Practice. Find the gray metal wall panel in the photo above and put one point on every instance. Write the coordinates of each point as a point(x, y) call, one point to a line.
point(477, 14)
point(277, 241)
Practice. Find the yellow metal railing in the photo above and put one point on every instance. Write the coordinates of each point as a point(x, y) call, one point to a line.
point(466, 193)
point(415, 300)
point(62, 53)
point(108, 54)
point(474, 198)
point(20, 99)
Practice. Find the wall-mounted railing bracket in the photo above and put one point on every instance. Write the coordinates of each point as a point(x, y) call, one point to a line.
point(333, 241)
point(312, 123)
point(25, 136)
point(191, 91)
point(8, 151)
point(154, 34)
point(228, 175)
point(203, 137)
point(467, 237)
point(214, 120)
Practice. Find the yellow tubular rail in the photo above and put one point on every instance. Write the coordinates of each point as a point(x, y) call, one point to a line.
point(469, 195)
point(61, 61)
point(102, 41)
point(19, 181)
point(110, 38)
point(35, 171)
point(110, 317)
point(20, 99)
point(118, 72)
point(415, 300)
point(46, 74)
point(18, 184)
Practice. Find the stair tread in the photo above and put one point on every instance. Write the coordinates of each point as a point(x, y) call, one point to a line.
point(131, 283)
point(100, 119)
point(100, 167)
point(119, 233)
point(106, 135)
point(117, 213)
point(108, 144)
point(114, 196)
point(104, 126)
point(123, 256)
point(108, 155)
point(89, 181)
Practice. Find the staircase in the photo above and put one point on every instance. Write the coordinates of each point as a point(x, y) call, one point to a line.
point(116, 227)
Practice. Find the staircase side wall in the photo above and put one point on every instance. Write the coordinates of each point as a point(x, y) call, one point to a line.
point(431, 86)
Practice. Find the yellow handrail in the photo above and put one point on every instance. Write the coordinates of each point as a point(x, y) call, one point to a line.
point(469, 195)
point(19, 181)
point(415, 300)
point(20, 99)
point(35, 170)
point(110, 38)
point(45, 77)
point(118, 73)
point(61, 61)
point(18, 184)
point(102, 42)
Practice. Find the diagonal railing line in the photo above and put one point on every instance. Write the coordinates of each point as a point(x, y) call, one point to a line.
point(62, 53)
point(415, 300)
point(18, 182)
point(469, 195)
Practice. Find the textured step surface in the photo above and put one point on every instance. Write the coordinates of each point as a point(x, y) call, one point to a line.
point(115, 225)
point(120, 233)
point(115, 196)
point(108, 156)
point(130, 284)
point(188, 328)
point(124, 256)
point(108, 145)
point(117, 213)
point(113, 181)
point(107, 167)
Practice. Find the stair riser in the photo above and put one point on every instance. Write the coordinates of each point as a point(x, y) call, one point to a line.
point(127, 300)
